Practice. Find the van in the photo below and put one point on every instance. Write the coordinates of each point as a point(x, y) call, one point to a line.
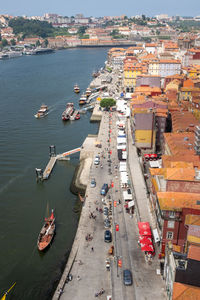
point(104, 189)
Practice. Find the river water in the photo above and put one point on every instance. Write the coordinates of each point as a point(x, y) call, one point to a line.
point(26, 83)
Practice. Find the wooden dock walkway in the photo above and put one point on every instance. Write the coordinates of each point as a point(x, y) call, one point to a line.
point(49, 167)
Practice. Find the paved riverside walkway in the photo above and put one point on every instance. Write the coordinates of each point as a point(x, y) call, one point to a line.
point(88, 267)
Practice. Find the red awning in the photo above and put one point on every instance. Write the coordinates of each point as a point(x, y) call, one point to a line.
point(144, 228)
point(148, 248)
point(145, 240)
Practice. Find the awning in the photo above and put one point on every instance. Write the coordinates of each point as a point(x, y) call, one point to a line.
point(121, 140)
point(148, 248)
point(127, 196)
point(145, 240)
point(131, 204)
point(122, 166)
point(144, 228)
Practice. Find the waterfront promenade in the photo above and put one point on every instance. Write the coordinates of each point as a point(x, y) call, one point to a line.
point(86, 263)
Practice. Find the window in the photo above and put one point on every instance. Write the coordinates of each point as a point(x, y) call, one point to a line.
point(169, 235)
point(172, 214)
point(170, 224)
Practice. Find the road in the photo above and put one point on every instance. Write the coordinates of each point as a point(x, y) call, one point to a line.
point(89, 268)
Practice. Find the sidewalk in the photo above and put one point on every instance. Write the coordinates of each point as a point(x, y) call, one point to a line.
point(148, 283)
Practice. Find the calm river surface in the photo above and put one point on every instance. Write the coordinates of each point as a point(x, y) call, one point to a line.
point(26, 83)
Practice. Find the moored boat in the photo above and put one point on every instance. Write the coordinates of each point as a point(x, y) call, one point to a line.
point(77, 117)
point(83, 99)
point(42, 112)
point(88, 92)
point(47, 232)
point(76, 88)
point(67, 113)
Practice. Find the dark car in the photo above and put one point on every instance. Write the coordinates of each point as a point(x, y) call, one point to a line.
point(104, 189)
point(105, 211)
point(107, 236)
point(127, 277)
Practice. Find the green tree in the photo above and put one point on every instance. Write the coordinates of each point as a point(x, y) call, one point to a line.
point(143, 17)
point(46, 42)
point(38, 43)
point(13, 42)
point(107, 102)
point(4, 43)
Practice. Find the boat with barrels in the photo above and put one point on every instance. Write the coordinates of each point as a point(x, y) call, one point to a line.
point(68, 112)
point(47, 232)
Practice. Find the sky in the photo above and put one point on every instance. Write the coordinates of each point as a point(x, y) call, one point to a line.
point(98, 8)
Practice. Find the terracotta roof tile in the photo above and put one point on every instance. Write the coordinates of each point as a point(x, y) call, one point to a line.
point(179, 174)
point(177, 200)
point(194, 252)
point(192, 220)
point(185, 292)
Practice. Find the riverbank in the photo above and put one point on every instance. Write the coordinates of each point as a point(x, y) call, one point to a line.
point(81, 174)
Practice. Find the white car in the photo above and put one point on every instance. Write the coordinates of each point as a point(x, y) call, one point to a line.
point(97, 160)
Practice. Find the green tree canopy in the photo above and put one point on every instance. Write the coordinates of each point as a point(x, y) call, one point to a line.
point(31, 27)
point(107, 102)
point(13, 42)
point(4, 43)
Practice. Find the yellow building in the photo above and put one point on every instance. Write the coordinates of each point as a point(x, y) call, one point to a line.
point(131, 71)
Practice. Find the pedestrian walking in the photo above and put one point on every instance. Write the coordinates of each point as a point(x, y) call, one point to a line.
point(92, 249)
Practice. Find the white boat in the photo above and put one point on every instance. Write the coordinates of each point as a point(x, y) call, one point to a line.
point(42, 112)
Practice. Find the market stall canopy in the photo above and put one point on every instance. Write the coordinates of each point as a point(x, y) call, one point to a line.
point(144, 228)
point(127, 196)
point(124, 177)
point(146, 247)
point(145, 240)
point(122, 166)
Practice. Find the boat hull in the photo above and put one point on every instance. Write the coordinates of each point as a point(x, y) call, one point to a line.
point(44, 243)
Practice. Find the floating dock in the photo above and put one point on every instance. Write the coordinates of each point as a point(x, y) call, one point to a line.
point(49, 167)
point(53, 158)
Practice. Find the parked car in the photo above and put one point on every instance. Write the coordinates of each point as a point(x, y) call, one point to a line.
point(105, 211)
point(97, 160)
point(93, 183)
point(107, 223)
point(107, 236)
point(104, 189)
point(127, 277)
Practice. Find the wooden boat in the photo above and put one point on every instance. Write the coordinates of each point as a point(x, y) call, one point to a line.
point(42, 112)
point(6, 293)
point(83, 99)
point(68, 112)
point(47, 232)
point(88, 92)
point(76, 89)
point(77, 116)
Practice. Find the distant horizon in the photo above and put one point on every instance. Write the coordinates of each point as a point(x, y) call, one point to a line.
point(85, 16)
point(102, 8)
point(90, 16)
